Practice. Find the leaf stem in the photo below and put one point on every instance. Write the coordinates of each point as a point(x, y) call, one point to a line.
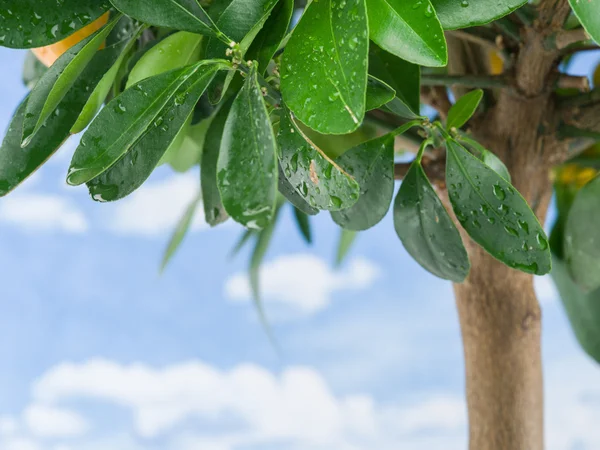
point(271, 92)
point(426, 143)
point(407, 126)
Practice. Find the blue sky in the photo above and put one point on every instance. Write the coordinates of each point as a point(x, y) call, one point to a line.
point(98, 351)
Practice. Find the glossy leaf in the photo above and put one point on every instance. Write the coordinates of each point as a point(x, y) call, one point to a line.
point(347, 238)
point(378, 93)
point(372, 166)
point(173, 52)
point(17, 163)
point(454, 14)
point(410, 30)
point(486, 156)
point(180, 232)
point(464, 109)
point(288, 191)
point(303, 223)
point(582, 237)
point(59, 78)
point(191, 146)
point(318, 179)
point(183, 15)
point(124, 120)
point(140, 158)
point(588, 13)
point(214, 211)
point(426, 229)
point(268, 40)
point(583, 309)
point(324, 69)
point(494, 213)
point(400, 75)
point(35, 23)
point(247, 164)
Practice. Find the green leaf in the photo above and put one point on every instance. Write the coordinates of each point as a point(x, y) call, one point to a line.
point(214, 211)
point(455, 14)
point(120, 41)
point(582, 243)
point(33, 70)
point(347, 238)
point(378, 93)
point(268, 40)
point(191, 146)
point(124, 120)
point(183, 15)
point(426, 229)
point(288, 191)
point(588, 13)
point(180, 231)
point(494, 213)
point(35, 23)
point(303, 222)
point(324, 69)
point(59, 78)
point(464, 109)
point(410, 30)
point(138, 160)
point(372, 166)
point(582, 309)
point(400, 75)
point(318, 179)
point(17, 163)
point(486, 156)
point(247, 165)
point(173, 52)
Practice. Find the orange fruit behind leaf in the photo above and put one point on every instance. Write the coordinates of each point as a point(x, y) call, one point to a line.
point(49, 54)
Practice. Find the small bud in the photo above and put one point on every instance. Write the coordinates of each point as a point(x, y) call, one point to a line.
point(264, 91)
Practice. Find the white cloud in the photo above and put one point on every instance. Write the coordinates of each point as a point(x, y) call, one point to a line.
point(545, 289)
point(156, 207)
point(8, 425)
point(42, 212)
point(304, 282)
point(296, 406)
point(49, 421)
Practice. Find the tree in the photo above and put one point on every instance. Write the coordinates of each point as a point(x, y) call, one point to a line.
point(310, 114)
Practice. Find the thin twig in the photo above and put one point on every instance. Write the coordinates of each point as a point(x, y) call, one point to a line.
point(569, 131)
point(472, 81)
point(475, 38)
point(573, 82)
point(564, 38)
point(581, 100)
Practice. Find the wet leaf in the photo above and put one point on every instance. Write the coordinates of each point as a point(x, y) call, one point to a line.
point(347, 238)
point(378, 93)
point(318, 179)
point(588, 13)
point(372, 166)
point(288, 191)
point(582, 237)
point(464, 109)
point(247, 165)
point(180, 232)
point(409, 30)
point(60, 77)
point(426, 229)
point(486, 156)
point(324, 69)
point(494, 213)
point(400, 75)
point(455, 14)
point(138, 160)
point(35, 23)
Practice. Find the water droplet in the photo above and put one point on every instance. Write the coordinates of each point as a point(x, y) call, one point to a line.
point(499, 192)
point(542, 241)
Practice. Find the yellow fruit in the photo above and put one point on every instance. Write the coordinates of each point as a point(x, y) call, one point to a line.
point(49, 54)
point(597, 77)
point(496, 63)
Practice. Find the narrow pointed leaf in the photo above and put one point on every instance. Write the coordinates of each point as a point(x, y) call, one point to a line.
point(180, 232)
point(324, 69)
point(486, 156)
point(582, 237)
point(288, 191)
point(247, 165)
point(372, 166)
point(378, 93)
point(410, 30)
point(243, 240)
point(303, 222)
point(183, 15)
point(494, 214)
point(455, 14)
point(17, 163)
point(35, 23)
point(426, 229)
point(214, 211)
point(140, 159)
point(400, 75)
point(59, 78)
point(318, 179)
point(347, 238)
point(464, 109)
point(588, 13)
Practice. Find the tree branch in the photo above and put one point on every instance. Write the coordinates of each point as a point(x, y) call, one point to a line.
point(563, 38)
point(471, 81)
